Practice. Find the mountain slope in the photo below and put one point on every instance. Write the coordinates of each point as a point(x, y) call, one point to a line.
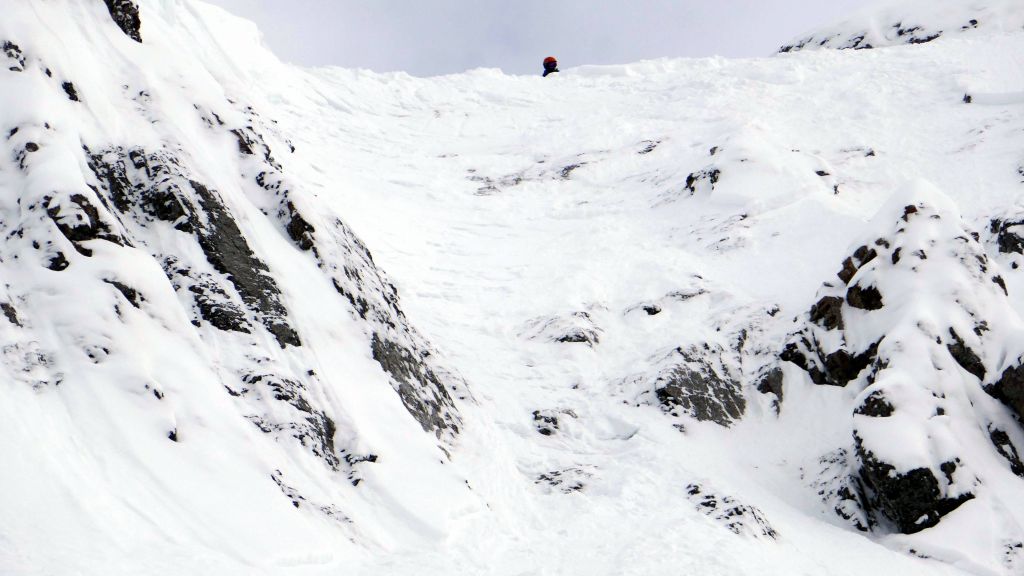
point(915, 22)
point(214, 376)
point(192, 348)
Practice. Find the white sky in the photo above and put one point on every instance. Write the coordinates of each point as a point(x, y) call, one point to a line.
point(429, 37)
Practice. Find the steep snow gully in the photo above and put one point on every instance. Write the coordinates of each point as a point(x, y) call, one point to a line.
point(677, 317)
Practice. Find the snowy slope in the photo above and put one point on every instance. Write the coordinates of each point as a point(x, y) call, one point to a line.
point(613, 261)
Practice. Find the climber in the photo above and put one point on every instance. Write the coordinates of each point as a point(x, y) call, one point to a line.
point(550, 65)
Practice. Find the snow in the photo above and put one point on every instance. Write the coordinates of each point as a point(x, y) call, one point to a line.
point(509, 211)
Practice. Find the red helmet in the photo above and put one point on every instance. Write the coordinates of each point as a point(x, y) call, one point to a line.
point(550, 60)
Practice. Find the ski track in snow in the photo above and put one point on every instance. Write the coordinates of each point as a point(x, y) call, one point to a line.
point(502, 207)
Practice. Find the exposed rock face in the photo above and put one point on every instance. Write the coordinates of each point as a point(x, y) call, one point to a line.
point(880, 335)
point(126, 15)
point(914, 500)
point(692, 384)
point(1009, 388)
point(1009, 235)
point(157, 185)
point(421, 390)
point(240, 291)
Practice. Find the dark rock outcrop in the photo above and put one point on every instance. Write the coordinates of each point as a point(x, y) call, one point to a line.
point(1009, 388)
point(828, 312)
point(771, 383)
point(968, 359)
point(429, 404)
point(875, 406)
point(15, 55)
point(693, 386)
point(80, 222)
point(161, 189)
point(126, 15)
point(10, 313)
point(1001, 440)
point(835, 368)
point(229, 253)
point(1009, 235)
point(913, 500)
point(864, 298)
point(861, 256)
point(709, 175)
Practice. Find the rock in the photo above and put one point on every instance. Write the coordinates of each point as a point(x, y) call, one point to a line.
point(10, 313)
point(14, 53)
point(868, 298)
point(836, 368)
point(312, 427)
point(1009, 389)
point(771, 383)
point(575, 328)
point(566, 480)
point(81, 222)
point(70, 90)
point(546, 421)
point(130, 294)
point(126, 15)
point(299, 230)
point(694, 386)
point(737, 517)
point(851, 265)
point(709, 175)
point(652, 309)
point(1009, 235)
point(420, 389)
point(875, 406)
point(228, 251)
point(912, 500)
point(568, 170)
point(1001, 440)
point(965, 357)
point(58, 262)
point(217, 308)
point(842, 490)
point(828, 312)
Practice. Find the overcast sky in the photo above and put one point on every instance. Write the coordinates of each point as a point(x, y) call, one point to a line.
point(430, 37)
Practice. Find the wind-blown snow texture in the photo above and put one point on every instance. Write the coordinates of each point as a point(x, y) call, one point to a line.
point(621, 347)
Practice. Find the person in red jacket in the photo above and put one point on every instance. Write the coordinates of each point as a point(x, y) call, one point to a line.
point(550, 65)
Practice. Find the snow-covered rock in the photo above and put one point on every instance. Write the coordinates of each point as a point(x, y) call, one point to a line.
point(918, 323)
point(914, 22)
